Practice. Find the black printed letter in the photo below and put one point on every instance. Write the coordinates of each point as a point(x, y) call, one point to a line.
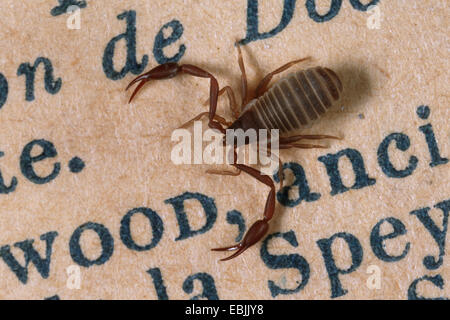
point(333, 271)
point(252, 21)
point(294, 261)
point(130, 37)
point(208, 205)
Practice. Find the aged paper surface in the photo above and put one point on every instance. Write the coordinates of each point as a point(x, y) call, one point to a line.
point(93, 207)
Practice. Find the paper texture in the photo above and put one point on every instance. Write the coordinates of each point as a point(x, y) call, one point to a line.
point(90, 192)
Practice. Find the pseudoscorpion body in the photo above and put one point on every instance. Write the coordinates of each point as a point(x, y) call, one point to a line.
point(291, 103)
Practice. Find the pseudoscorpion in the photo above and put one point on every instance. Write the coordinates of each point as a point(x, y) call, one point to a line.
point(289, 104)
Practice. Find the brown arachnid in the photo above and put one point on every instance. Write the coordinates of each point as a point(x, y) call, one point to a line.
point(291, 103)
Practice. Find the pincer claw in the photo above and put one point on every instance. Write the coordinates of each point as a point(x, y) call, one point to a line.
point(253, 235)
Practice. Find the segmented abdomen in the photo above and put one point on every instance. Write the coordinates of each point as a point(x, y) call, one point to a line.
point(296, 100)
